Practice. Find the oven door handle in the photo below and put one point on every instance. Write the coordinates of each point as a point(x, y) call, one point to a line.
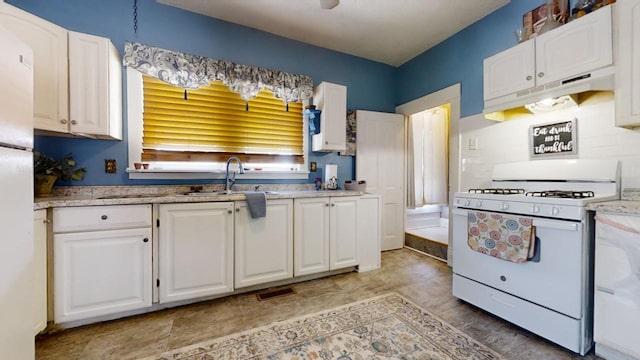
point(539, 223)
point(557, 225)
point(457, 211)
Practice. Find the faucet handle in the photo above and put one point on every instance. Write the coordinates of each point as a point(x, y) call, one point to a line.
point(256, 187)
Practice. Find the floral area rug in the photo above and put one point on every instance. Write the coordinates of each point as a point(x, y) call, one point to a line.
point(384, 327)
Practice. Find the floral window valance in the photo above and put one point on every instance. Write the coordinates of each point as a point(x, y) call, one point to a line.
point(192, 71)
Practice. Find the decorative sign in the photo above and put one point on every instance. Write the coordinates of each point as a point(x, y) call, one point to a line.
point(553, 139)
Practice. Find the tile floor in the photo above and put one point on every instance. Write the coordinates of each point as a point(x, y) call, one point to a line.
point(421, 279)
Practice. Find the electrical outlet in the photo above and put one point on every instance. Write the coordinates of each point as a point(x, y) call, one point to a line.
point(110, 166)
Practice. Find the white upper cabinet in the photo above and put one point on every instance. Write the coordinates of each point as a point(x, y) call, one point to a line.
point(580, 46)
point(627, 92)
point(331, 100)
point(562, 56)
point(77, 78)
point(95, 86)
point(49, 44)
point(510, 71)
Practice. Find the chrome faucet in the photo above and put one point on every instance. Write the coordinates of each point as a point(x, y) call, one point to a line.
point(230, 180)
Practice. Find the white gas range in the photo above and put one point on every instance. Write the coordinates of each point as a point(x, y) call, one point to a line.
point(551, 292)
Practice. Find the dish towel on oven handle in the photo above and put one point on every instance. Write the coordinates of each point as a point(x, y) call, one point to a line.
point(505, 237)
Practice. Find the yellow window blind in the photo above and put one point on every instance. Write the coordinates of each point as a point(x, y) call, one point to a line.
point(213, 123)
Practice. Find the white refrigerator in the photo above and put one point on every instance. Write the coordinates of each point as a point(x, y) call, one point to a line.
point(16, 199)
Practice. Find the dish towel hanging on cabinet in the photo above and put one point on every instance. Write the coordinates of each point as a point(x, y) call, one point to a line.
point(502, 236)
point(257, 204)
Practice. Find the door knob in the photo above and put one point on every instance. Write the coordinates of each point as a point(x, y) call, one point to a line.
point(540, 74)
point(145, 240)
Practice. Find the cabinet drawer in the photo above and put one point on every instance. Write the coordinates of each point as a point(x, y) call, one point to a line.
point(87, 218)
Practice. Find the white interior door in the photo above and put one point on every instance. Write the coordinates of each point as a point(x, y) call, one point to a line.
point(380, 161)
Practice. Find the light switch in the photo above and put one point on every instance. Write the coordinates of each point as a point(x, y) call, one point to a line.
point(473, 143)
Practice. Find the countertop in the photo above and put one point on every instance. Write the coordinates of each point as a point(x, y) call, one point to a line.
point(628, 204)
point(91, 196)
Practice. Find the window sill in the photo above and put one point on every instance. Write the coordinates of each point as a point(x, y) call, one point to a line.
point(159, 174)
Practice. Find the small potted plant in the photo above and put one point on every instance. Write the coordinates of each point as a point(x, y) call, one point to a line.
point(47, 170)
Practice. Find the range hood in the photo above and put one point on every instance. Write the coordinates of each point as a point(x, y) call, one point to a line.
point(597, 80)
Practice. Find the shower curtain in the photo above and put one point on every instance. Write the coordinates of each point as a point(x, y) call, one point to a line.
point(427, 157)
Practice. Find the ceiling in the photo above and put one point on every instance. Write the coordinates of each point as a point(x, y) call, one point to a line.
point(387, 31)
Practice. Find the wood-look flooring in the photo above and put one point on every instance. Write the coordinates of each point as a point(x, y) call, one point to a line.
point(421, 279)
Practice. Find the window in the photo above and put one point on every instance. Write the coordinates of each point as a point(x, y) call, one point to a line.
point(195, 131)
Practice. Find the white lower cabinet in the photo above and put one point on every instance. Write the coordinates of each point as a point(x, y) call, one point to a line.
point(617, 286)
point(325, 234)
point(263, 246)
point(40, 270)
point(369, 232)
point(311, 236)
point(100, 266)
point(343, 239)
point(195, 250)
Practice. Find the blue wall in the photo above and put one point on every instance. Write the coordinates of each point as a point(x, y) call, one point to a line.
point(370, 84)
point(459, 58)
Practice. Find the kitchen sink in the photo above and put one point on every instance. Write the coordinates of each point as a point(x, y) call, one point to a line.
point(203, 193)
point(219, 193)
point(131, 196)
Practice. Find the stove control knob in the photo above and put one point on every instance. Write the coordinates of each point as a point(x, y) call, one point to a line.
point(478, 203)
point(555, 211)
point(535, 209)
point(504, 206)
point(467, 202)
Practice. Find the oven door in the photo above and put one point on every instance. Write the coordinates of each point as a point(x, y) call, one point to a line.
point(556, 279)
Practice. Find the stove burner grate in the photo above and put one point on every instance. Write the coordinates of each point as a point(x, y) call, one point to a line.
point(562, 194)
point(497, 191)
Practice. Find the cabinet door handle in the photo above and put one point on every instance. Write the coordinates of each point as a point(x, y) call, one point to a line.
point(540, 74)
point(327, 204)
point(73, 122)
point(605, 290)
point(104, 217)
point(237, 209)
point(145, 240)
point(529, 77)
point(333, 204)
point(63, 121)
point(230, 212)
